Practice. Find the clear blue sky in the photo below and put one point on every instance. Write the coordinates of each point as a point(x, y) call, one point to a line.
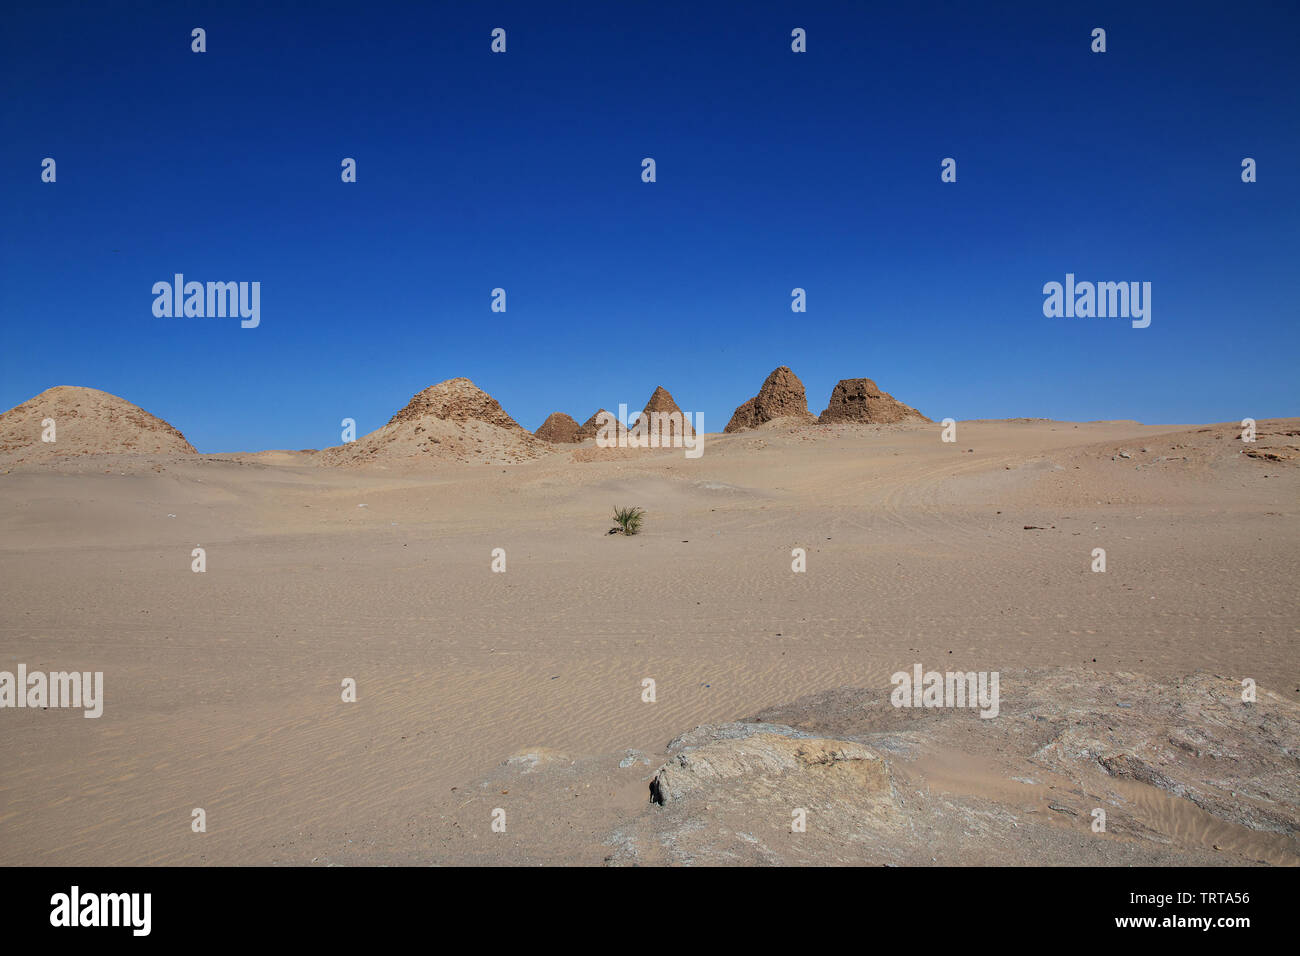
point(523, 171)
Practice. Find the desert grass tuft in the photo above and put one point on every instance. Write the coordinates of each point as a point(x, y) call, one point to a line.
point(627, 520)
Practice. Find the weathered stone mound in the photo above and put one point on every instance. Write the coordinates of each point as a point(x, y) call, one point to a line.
point(782, 396)
point(662, 409)
point(861, 400)
point(456, 400)
point(86, 422)
point(452, 421)
point(559, 428)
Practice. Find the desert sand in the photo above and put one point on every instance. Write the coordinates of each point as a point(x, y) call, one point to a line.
point(523, 691)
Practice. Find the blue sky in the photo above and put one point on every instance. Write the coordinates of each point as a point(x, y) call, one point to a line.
point(775, 170)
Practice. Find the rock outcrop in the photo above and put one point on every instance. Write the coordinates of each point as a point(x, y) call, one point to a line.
point(768, 751)
point(1184, 771)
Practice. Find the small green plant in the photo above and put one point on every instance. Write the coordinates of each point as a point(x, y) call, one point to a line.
point(627, 520)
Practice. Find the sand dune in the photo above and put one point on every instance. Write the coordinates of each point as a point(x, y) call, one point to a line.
point(222, 689)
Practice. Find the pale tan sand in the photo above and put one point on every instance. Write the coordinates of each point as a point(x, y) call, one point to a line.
point(223, 688)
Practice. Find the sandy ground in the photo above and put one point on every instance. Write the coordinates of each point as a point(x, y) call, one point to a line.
point(223, 689)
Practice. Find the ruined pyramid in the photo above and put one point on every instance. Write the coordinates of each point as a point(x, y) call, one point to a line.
point(661, 403)
point(861, 400)
point(781, 396)
point(85, 421)
point(454, 420)
point(559, 428)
